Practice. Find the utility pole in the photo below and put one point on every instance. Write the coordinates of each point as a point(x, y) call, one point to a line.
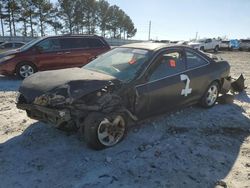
point(149, 30)
point(196, 36)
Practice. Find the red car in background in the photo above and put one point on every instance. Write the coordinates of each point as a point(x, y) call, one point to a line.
point(53, 52)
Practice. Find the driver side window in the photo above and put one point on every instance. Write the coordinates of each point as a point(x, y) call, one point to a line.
point(167, 64)
point(49, 45)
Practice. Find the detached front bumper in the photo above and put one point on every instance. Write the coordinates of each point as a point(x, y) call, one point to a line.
point(45, 114)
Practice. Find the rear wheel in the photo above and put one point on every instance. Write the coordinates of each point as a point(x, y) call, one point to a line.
point(23, 70)
point(209, 98)
point(101, 131)
point(202, 49)
point(216, 49)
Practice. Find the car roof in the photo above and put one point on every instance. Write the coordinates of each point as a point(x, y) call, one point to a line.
point(72, 35)
point(153, 46)
point(13, 42)
point(148, 45)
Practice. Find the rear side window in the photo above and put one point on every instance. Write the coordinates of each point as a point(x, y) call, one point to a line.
point(18, 45)
point(167, 64)
point(95, 43)
point(194, 60)
point(8, 45)
point(74, 43)
point(208, 40)
point(245, 41)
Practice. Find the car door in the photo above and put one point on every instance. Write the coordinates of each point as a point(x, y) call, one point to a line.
point(47, 54)
point(79, 51)
point(74, 50)
point(166, 87)
point(198, 71)
point(209, 44)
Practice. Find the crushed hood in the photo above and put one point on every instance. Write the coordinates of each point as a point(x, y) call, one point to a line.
point(77, 82)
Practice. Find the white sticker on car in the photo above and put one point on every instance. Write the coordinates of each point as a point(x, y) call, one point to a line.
point(186, 90)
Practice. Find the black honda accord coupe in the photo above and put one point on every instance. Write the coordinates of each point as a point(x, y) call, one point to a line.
point(126, 84)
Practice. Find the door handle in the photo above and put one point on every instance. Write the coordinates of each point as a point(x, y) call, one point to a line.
point(59, 53)
point(92, 58)
point(67, 52)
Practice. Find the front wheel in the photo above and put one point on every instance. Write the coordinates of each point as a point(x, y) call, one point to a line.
point(101, 131)
point(209, 98)
point(202, 49)
point(23, 70)
point(216, 49)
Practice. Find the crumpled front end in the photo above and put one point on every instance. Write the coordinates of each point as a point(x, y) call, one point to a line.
point(62, 96)
point(45, 114)
point(63, 105)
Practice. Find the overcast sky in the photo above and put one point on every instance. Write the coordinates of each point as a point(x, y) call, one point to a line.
point(181, 19)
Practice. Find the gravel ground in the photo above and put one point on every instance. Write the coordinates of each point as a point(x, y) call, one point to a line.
point(193, 147)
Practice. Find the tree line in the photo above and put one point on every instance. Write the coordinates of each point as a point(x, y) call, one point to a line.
point(38, 17)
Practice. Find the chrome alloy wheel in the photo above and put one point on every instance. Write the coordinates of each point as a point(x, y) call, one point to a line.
point(111, 132)
point(212, 95)
point(26, 70)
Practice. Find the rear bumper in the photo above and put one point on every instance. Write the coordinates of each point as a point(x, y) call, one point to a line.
point(45, 114)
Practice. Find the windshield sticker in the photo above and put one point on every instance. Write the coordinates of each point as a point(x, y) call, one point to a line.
point(137, 51)
point(172, 63)
point(132, 61)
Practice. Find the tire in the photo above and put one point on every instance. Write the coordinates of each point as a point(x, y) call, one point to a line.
point(100, 132)
point(67, 127)
point(202, 49)
point(216, 49)
point(210, 97)
point(23, 70)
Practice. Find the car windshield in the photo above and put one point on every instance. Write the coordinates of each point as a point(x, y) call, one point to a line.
point(201, 40)
point(29, 44)
point(122, 63)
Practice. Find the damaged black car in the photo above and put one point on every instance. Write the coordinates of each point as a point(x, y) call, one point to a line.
point(124, 85)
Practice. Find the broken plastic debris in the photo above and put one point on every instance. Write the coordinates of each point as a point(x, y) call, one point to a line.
point(238, 85)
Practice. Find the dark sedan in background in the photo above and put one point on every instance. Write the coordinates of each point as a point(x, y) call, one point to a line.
point(126, 84)
point(11, 45)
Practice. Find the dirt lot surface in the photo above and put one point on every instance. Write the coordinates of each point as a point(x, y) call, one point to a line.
point(193, 147)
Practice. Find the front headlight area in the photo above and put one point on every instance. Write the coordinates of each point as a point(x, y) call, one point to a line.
point(50, 100)
point(6, 58)
point(20, 99)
